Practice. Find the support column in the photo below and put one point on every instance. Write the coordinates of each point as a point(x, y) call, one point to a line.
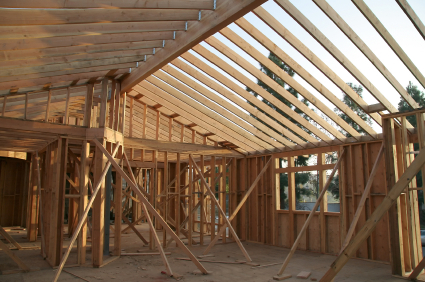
point(84, 186)
point(118, 209)
point(98, 210)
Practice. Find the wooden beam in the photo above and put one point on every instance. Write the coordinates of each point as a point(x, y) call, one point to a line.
point(43, 238)
point(363, 199)
point(193, 116)
point(410, 13)
point(261, 91)
point(310, 216)
point(113, 4)
point(82, 219)
point(18, 261)
point(70, 65)
point(44, 31)
point(267, 43)
point(178, 147)
point(151, 225)
point(36, 16)
point(225, 13)
point(201, 103)
point(239, 90)
point(53, 60)
point(79, 49)
point(228, 106)
point(68, 96)
point(376, 216)
point(392, 43)
point(67, 41)
point(280, 73)
point(335, 52)
point(274, 24)
point(236, 210)
point(151, 208)
point(346, 29)
point(41, 79)
point(223, 214)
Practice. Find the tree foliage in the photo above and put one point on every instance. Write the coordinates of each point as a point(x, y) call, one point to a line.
point(356, 109)
point(419, 97)
point(300, 178)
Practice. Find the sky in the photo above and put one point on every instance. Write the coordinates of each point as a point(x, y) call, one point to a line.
point(387, 11)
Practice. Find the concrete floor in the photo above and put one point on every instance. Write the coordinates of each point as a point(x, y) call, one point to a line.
point(148, 268)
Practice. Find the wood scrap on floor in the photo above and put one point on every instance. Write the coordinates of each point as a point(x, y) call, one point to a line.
point(283, 277)
point(304, 275)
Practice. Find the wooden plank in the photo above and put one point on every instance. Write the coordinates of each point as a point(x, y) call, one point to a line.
point(82, 220)
point(114, 4)
point(88, 105)
point(151, 208)
point(83, 193)
point(72, 16)
point(335, 52)
point(267, 43)
point(52, 60)
point(208, 108)
point(346, 29)
point(194, 116)
point(103, 103)
point(263, 60)
point(56, 77)
point(363, 199)
point(309, 55)
point(223, 214)
point(151, 226)
point(178, 147)
point(158, 118)
point(123, 110)
point(418, 269)
point(370, 224)
point(392, 43)
point(310, 217)
point(241, 203)
point(44, 31)
point(252, 85)
point(98, 209)
point(410, 13)
point(4, 106)
point(49, 97)
point(117, 109)
point(68, 96)
point(9, 238)
point(67, 50)
point(131, 118)
point(225, 13)
point(18, 261)
point(69, 66)
point(83, 41)
point(131, 225)
point(227, 106)
point(236, 88)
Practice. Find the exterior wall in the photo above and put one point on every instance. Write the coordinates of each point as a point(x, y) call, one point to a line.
point(261, 221)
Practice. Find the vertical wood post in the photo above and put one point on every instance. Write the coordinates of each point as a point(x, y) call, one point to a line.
point(118, 208)
point(89, 105)
point(84, 186)
point(68, 96)
point(98, 209)
point(49, 98)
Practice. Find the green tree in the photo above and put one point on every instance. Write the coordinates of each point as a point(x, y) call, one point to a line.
point(419, 97)
point(356, 109)
point(300, 178)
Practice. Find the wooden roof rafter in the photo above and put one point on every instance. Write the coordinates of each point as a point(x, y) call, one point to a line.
point(75, 37)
